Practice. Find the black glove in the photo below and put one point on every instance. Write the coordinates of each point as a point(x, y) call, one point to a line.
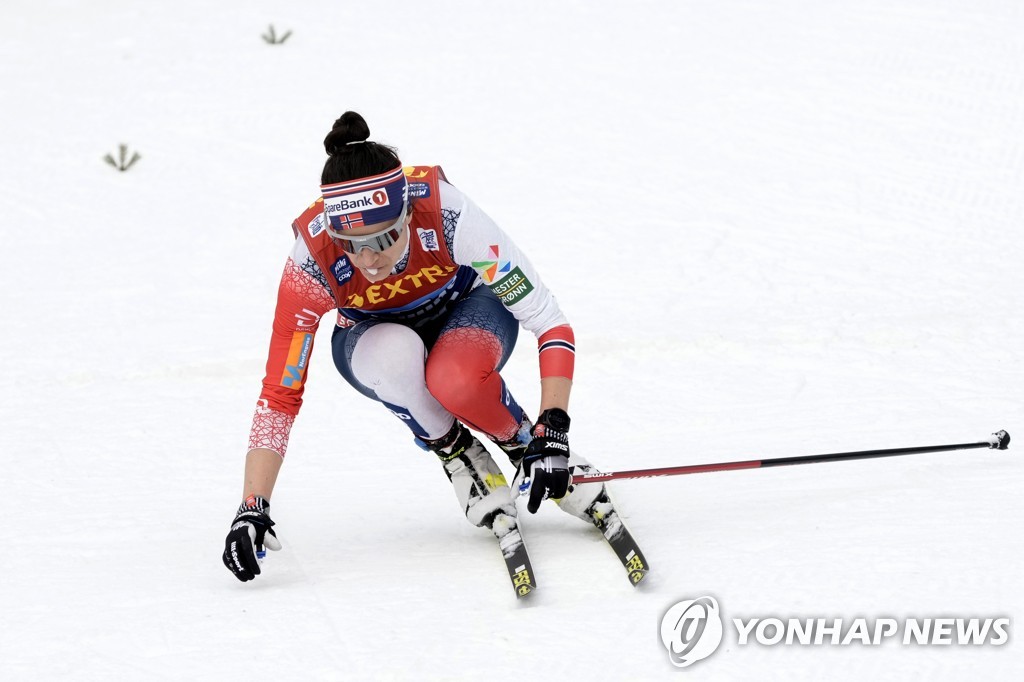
point(546, 461)
point(251, 534)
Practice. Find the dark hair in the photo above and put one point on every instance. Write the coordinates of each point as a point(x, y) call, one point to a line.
point(351, 161)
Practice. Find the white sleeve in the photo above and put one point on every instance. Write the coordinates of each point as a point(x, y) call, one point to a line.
point(482, 245)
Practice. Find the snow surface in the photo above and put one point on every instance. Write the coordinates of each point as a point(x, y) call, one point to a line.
point(778, 228)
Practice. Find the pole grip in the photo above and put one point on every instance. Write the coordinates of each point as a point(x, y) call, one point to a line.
point(1000, 440)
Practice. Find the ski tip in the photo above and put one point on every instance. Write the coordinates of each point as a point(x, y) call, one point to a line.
point(524, 590)
point(636, 566)
point(637, 576)
point(523, 581)
point(1000, 440)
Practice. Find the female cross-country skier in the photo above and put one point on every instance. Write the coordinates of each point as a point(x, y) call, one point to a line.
point(429, 294)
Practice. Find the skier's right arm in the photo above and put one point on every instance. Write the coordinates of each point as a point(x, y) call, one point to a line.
point(261, 468)
point(303, 298)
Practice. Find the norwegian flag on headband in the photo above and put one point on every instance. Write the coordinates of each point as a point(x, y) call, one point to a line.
point(365, 201)
point(347, 222)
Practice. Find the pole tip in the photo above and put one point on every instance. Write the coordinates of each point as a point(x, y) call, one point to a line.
point(999, 440)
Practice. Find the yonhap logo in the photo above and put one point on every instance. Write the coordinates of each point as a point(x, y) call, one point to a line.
point(691, 630)
point(868, 632)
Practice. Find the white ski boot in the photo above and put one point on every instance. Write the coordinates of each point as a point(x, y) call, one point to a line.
point(584, 501)
point(480, 487)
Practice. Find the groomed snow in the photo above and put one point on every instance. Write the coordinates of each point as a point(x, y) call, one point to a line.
point(778, 229)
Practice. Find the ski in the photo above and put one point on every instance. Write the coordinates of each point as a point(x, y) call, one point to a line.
point(603, 515)
point(513, 550)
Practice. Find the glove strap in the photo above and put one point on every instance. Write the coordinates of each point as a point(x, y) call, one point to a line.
point(553, 424)
point(254, 503)
point(554, 418)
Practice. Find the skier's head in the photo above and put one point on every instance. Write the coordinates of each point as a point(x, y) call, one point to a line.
point(366, 197)
point(351, 155)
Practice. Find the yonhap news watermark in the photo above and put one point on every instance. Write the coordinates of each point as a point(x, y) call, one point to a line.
point(693, 629)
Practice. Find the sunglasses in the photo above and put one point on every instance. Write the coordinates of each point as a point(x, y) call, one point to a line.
point(376, 241)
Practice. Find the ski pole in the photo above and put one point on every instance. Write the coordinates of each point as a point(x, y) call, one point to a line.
point(998, 441)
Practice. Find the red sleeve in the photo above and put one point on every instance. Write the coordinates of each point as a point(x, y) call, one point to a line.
point(302, 300)
point(557, 349)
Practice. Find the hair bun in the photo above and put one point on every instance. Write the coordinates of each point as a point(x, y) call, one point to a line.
point(351, 127)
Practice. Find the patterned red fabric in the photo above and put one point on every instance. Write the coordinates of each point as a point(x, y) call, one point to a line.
point(301, 302)
point(270, 429)
point(461, 373)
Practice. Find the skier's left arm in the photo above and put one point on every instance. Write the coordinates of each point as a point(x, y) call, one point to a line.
point(503, 267)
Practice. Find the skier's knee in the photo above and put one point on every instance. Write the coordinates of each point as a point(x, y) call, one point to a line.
point(389, 355)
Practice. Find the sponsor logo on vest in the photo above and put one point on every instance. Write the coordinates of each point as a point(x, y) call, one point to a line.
point(298, 357)
point(409, 284)
point(419, 190)
point(512, 287)
point(428, 238)
point(316, 226)
point(351, 203)
point(342, 270)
